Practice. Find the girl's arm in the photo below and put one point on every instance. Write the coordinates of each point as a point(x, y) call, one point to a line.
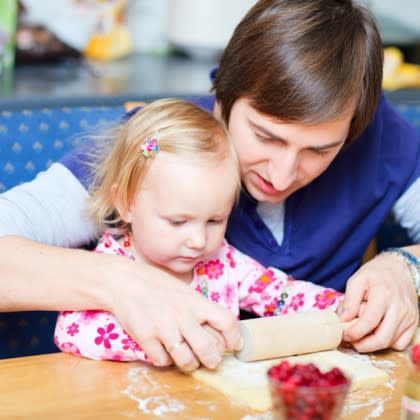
point(275, 293)
point(95, 335)
point(270, 291)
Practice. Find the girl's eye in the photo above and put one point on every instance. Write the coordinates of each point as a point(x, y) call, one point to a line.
point(215, 221)
point(176, 222)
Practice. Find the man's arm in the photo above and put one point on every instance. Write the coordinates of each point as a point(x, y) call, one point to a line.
point(407, 211)
point(51, 209)
point(35, 276)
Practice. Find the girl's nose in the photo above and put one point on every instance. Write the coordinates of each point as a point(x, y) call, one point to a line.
point(197, 238)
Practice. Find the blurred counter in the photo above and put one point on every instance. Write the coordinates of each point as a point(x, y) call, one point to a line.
point(82, 82)
point(86, 82)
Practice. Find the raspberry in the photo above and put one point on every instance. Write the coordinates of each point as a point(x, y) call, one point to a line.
point(415, 354)
point(304, 392)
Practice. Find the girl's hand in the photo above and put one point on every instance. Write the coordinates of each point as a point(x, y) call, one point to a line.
point(170, 321)
point(381, 293)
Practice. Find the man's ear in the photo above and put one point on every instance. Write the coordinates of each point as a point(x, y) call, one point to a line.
point(217, 110)
point(123, 208)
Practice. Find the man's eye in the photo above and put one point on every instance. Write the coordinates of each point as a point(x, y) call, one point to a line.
point(321, 152)
point(262, 138)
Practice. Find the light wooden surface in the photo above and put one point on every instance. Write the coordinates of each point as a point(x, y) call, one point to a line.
point(62, 386)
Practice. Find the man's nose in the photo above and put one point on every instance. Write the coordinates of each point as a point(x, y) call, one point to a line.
point(283, 169)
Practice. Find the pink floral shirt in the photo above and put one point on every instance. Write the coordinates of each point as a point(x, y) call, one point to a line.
point(229, 278)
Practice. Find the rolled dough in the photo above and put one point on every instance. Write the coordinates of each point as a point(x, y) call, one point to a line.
point(416, 337)
point(247, 383)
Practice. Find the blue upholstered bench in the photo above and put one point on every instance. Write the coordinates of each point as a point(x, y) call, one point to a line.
point(30, 140)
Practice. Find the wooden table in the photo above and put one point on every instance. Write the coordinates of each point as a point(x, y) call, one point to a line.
point(62, 386)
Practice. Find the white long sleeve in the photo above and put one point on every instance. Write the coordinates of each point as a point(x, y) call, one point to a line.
point(407, 211)
point(50, 209)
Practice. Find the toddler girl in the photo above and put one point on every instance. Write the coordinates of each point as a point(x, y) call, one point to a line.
point(164, 185)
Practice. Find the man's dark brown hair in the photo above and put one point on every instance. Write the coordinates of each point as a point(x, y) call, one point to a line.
point(304, 61)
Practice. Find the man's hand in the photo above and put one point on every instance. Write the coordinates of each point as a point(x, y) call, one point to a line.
point(381, 293)
point(169, 320)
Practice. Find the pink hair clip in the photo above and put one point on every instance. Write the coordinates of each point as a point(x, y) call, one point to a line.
point(150, 147)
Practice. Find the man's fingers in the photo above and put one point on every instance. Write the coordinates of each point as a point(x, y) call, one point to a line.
point(226, 323)
point(218, 339)
point(164, 340)
point(208, 329)
point(378, 338)
point(203, 344)
point(156, 353)
point(385, 335)
point(183, 356)
point(373, 312)
point(353, 298)
point(404, 339)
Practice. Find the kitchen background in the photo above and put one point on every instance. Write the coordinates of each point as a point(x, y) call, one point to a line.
point(86, 48)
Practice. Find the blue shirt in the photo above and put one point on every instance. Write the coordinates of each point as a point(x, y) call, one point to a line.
point(330, 222)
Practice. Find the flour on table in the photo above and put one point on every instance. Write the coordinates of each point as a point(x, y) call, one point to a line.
point(263, 416)
point(142, 385)
point(367, 399)
point(356, 402)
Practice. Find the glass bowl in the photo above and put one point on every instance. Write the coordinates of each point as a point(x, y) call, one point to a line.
point(297, 398)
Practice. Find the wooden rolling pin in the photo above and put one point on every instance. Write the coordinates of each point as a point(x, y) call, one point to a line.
point(288, 335)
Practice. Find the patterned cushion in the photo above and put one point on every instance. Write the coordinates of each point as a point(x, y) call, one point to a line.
point(27, 333)
point(30, 140)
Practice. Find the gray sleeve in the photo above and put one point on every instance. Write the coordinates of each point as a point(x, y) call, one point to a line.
point(407, 211)
point(50, 209)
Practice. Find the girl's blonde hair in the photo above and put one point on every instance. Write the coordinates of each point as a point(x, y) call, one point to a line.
point(118, 165)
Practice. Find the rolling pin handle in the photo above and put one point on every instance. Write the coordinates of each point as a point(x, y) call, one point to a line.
point(240, 344)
